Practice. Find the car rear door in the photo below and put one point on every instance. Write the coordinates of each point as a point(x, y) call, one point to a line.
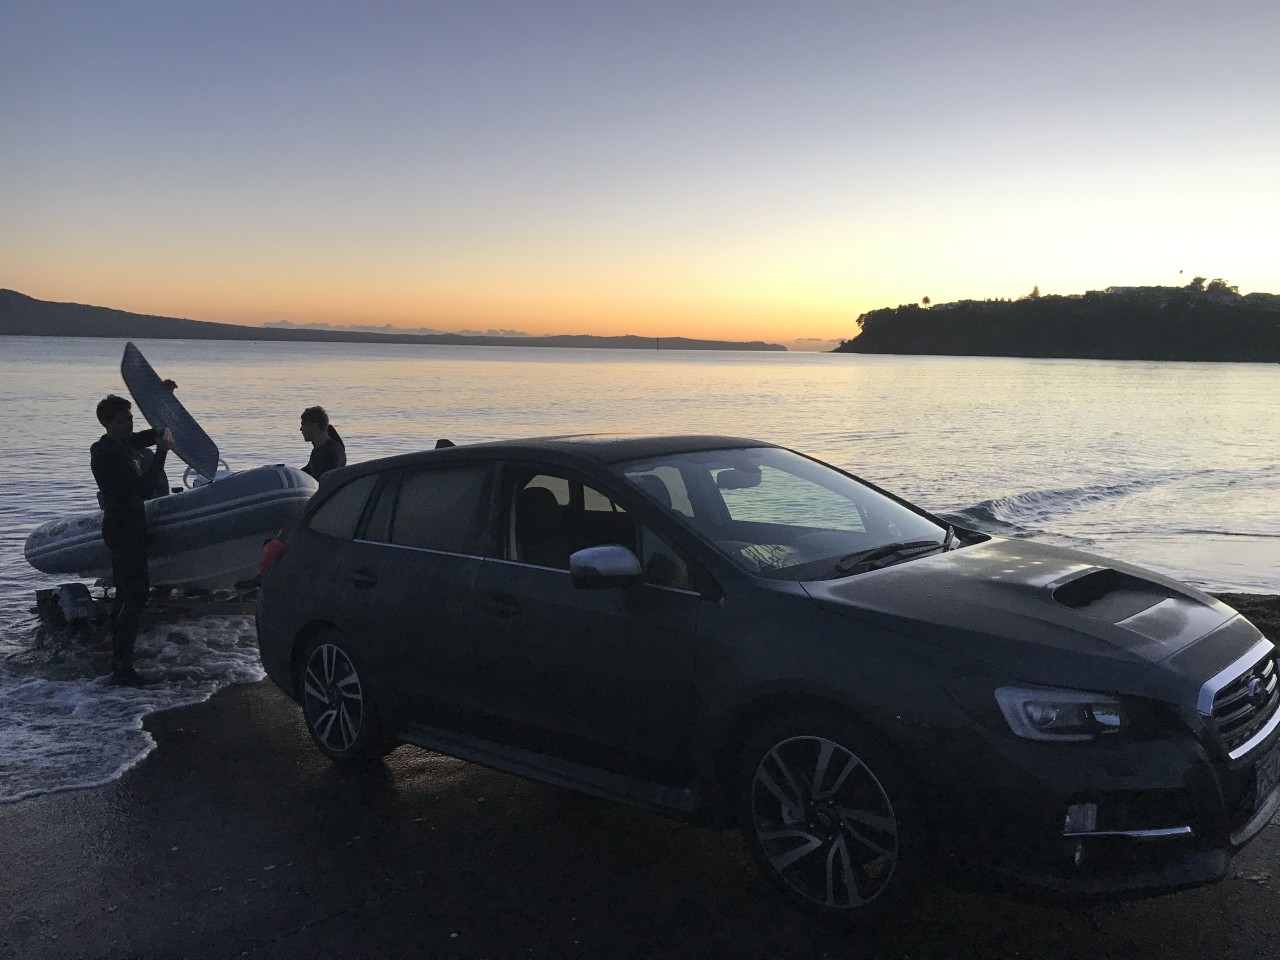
point(604, 677)
point(415, 562)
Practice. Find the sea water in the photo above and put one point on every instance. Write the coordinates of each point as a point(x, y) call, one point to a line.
point(1169, 465)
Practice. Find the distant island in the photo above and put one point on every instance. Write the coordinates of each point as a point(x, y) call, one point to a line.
point(1198, 321)
point(24, 316)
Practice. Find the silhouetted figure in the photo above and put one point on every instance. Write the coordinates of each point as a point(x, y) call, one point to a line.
point(122, 488)
point(328, 451)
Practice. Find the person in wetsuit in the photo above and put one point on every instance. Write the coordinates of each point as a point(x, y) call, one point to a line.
point(122, 488)
point(328, 451)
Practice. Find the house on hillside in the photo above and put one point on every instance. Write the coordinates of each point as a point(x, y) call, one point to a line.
point(1157, 294)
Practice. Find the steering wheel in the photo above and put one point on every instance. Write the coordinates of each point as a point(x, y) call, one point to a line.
point(189, 475)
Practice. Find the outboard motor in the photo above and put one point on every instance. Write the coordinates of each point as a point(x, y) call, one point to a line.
point(75, 602)
point(68, 609)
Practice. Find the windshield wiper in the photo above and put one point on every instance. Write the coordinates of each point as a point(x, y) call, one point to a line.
point(870, 559)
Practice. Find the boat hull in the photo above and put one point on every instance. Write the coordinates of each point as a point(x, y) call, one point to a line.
point(208, 537)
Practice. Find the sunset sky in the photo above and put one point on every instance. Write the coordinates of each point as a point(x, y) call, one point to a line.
point(729, 170)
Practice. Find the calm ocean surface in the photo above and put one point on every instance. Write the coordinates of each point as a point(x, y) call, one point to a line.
point(1170, 465)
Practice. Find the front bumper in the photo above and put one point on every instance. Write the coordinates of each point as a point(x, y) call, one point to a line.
point(1096, 820)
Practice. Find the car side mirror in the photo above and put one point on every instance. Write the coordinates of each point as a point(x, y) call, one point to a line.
point(602, 568)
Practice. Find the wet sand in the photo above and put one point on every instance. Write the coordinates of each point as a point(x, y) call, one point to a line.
point(237, 839)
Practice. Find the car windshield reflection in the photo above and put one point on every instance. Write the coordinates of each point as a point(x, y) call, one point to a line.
point(783, 516)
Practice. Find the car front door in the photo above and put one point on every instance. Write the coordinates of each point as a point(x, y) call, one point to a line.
point(603, 677)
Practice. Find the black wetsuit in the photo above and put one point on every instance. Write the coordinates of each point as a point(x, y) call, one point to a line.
point(161, 489)
point(326, 457)
point(122, 488)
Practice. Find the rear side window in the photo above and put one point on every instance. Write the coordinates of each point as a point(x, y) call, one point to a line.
point(378, 527)
point(339, 514)
point(442, 510)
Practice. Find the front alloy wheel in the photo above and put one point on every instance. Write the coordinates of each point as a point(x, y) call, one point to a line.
point(822, 824)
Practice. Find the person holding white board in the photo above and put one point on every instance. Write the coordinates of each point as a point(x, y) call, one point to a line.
point(122, 488)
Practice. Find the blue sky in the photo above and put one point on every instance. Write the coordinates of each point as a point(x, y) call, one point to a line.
point(729, 170)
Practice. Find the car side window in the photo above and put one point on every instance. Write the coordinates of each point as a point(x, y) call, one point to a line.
point(442, 509)
point(543, 528)
point(663, 564)
point(378, 526)
point(604, 521)
point(340, 512)
point(554, 516)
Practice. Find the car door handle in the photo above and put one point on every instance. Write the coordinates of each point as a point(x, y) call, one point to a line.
point(502, 608)
point(364, 578)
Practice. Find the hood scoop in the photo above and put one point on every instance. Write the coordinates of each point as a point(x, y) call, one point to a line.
point(1110, 595)
point(1148, 609)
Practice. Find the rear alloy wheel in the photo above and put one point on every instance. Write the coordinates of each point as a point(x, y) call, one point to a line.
point(827, 822)
point(337, 704)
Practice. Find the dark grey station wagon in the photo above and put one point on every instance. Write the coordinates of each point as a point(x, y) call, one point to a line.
point(727, 631)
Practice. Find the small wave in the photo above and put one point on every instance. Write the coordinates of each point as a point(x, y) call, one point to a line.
point(62, 728)
point(1025, 514)
point(1248, 534)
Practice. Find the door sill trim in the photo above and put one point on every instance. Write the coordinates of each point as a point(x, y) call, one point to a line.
point(619, 787)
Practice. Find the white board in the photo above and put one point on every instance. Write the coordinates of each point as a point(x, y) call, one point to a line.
point(162, 409)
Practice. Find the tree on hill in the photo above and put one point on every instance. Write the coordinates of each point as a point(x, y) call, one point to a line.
point(1124, 325)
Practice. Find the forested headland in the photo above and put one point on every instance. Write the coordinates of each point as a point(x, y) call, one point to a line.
point(1199, 321)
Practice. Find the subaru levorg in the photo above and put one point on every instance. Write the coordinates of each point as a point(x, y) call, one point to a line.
point(727, 631)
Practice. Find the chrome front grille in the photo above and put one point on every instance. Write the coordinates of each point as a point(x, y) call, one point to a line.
point(1242, 704)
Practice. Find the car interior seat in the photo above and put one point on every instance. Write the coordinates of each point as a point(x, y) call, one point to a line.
point(540, 533)
point(655, 488)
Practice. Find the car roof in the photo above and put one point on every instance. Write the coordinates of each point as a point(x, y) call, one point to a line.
point(585, 448)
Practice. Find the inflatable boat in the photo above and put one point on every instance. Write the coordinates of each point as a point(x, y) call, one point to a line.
point(210, 536)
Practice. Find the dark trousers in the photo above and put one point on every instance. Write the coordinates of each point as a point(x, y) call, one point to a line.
point(133, 586)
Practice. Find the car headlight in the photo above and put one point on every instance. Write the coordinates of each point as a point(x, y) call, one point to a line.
point(1060, 715)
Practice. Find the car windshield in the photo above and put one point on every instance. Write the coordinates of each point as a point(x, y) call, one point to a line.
point(783, 516)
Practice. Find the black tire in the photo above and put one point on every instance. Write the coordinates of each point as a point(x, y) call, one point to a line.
point(828, 819)
point(338, 706)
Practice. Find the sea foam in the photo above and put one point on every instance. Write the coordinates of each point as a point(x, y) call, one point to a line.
point(62, 728)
